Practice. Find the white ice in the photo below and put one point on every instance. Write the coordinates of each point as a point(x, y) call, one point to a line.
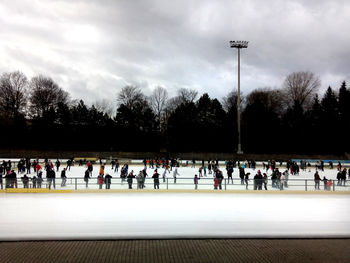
point(171, 215)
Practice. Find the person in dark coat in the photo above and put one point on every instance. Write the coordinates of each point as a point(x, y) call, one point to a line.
point(317, 180)
point(25, 181)
point(87, 177)
point(241, 174)
point(325, 182)
point(343, 177)
point(220, 177)
point(246, 180)
point(130, 179)
point(58, 164)
point(40, 179)
point(1, 174)
point(258, 181)
point(108, 180)
point(229, 174)
point(156, 179)
point(265, 179)
point(63, 177)
point(339, 178)
point(51, 176)
point(69, 164)
point(195, 180)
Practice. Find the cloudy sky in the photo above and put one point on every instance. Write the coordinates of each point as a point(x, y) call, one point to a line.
point(93, 48)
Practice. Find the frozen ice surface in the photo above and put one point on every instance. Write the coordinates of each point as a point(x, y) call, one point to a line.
point(171, 215)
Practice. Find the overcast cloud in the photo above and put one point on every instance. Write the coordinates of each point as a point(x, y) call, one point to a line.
point(93, 48)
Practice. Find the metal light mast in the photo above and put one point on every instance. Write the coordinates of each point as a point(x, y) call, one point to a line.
point(239, 45)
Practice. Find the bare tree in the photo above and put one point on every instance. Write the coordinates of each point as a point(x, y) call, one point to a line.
point(45, 94)
point(13, 90)
point(300, 87)
point(270, 98)
point(158, 100)
point(187, 95)
point(130, 95)
point(230, 101)
point(105, 106)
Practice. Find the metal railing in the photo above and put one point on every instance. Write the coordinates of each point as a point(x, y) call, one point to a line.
point(78, 183)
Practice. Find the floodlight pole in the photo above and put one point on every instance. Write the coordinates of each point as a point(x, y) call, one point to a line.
point(239, 45)
point(239, 149)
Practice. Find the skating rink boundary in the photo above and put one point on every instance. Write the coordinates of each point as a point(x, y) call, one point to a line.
point(204, 191)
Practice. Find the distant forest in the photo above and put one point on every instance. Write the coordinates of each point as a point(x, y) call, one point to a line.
point(296, 118)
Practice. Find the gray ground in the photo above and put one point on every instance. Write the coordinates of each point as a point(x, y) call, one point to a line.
point(207, 250)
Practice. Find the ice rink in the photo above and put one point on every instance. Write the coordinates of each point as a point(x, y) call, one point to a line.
point(133, 215)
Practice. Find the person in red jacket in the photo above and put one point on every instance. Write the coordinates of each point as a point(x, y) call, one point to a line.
point(38, 168)
point(216, 183)
point(101, 180)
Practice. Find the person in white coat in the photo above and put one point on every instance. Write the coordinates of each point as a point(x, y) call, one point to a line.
point(282, 181)
point(175, 173)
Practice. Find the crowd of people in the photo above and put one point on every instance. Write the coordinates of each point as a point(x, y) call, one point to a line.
point(30, 172)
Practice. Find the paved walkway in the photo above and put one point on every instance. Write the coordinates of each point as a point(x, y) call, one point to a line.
point(152, 251)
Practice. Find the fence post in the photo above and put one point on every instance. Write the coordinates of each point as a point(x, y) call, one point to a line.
point(76, 185)
point(225, 183)
point(305, 185)
point(333, 186)
point(167, 180)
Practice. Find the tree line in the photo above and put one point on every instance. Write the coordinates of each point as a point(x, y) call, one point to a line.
point(296, 118)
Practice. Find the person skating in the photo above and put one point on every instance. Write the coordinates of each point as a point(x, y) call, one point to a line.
point(241, 174)
point(69, 164)
point(144, 172)
point(156, 179)
point(317, 180)
point(28, 165)
point(339, 175)
point(58, 164)
point(282, 181)
point(101, 180)
point(63, 177)
point(220, 177)
point(40, 179)
point(164, 175)
point(108, 181)
point(51, 178)
point(140, 181)
point(87, 177)
point(343, 177)
point(258, 181)
point(265, 181)
point(195, 181)
point(1, 174)
point(90, 168)
point(25, 181)
point(200, 171)
point(175, 173)
point(102, 170)
point(246, 180)
point(216, 183)
point(34, 180)
point(229, 174)
point(130, 178)
point(325, 183)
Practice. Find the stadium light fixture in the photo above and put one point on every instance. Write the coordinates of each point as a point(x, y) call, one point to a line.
point(239, 45)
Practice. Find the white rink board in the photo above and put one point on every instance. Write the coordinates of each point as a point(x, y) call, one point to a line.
point(172, 215)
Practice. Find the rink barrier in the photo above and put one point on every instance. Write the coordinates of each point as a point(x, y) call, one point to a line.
point(175, 191)
point(36, 190)
point(205, 183)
